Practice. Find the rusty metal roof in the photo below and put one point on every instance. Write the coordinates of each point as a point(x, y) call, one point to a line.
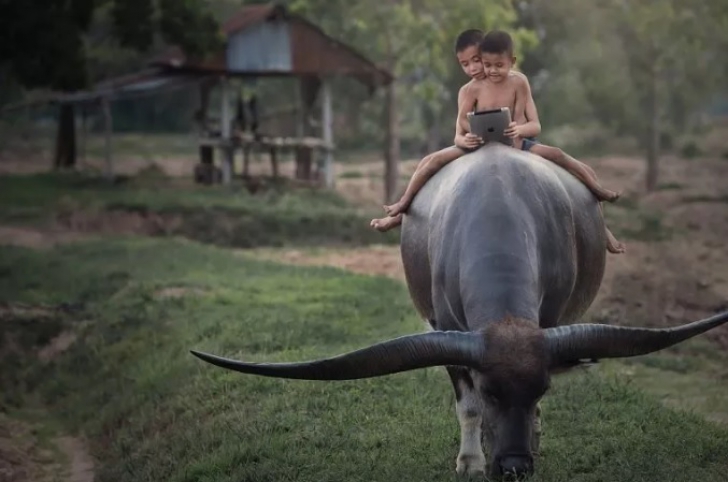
point(251, 15)
point(312, 52)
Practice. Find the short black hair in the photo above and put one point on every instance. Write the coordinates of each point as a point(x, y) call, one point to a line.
point(497, 42)
point(468, 38)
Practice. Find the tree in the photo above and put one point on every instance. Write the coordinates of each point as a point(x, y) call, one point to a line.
point(640, 67)
point(412, 39)
point(44, 43)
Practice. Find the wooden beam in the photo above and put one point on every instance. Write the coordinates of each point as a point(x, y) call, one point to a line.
point(328, 133)
point(245, 139)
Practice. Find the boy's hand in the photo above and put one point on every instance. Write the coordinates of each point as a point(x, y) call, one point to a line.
point(513, 130)
point(470, 141)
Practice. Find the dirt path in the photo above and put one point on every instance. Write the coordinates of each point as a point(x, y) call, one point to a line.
point(27, 457)
point(31, 450)
point(81, 463)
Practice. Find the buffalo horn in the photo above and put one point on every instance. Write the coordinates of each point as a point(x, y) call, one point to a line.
point(572, 343)
point(393, 356)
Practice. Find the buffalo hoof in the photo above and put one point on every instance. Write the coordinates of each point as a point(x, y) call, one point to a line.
point(471, 465)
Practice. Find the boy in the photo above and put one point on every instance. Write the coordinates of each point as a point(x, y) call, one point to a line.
point(495, 87)
point(467, 51)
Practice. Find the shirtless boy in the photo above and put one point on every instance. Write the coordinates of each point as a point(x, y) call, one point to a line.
point(467, 51)
point(496, 87)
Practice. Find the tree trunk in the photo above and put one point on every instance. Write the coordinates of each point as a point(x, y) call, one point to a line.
point(391, 153)
point(65, 156)
point(433, 130)
point(653, 140)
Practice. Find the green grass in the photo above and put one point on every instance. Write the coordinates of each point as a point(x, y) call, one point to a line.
point(689, 383)
point(670, 186)
point(153, 412)
point(629, 222)
point(229, 216)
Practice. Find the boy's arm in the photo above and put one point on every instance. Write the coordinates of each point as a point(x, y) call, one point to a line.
point(526, 115)
point(532, 126)
point(463, 138)
point(532, 120)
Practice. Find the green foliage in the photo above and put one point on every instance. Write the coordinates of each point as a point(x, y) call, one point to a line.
point(188, 24)
point(134, 23)
point(627, 222)
point(643, 66)
point(43, 41)
point(414, 39)
point(153, 412)
point(690, 150)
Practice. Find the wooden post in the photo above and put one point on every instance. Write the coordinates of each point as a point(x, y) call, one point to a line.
point(246, 160)
point(274, 161)
point(84, 114)
point(227, 161)
point(108, 126)
point(309, 87)
point(328, 135)
point(65, 155)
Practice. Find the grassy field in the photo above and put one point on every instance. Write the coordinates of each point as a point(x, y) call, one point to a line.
point(153, 412)
point(225, 216)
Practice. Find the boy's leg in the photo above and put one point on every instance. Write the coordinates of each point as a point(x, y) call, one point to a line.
point(578, 169)
point(385, 224)
point(613, 245)
point(425, 170)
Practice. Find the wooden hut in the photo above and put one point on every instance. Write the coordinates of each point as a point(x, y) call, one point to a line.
point(269, 41)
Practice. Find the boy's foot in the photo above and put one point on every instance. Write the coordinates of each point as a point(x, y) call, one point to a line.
point(397, 208)
point(606, 195)
point(385, 224)
point(614, 246)
point(618, 248)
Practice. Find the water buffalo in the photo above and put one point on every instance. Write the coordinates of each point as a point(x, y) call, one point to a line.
point(502, 251)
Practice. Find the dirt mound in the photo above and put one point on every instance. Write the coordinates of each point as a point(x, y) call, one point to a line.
point(178, 292)
point(57, 346)
point(118, 222)
point(35, 238)
point(681, 278)
point(377, 260)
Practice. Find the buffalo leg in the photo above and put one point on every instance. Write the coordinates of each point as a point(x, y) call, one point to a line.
point(469, 410)
point(536, 434)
